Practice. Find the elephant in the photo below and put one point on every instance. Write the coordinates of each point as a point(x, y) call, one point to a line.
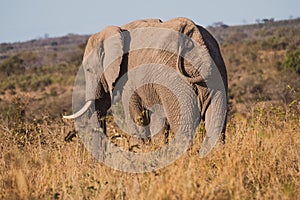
point(112, 61)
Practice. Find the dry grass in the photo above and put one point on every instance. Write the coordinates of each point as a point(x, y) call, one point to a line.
point(261, 160)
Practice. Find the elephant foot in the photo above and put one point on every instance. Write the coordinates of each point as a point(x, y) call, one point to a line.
point(136, 144)
point(207, 147)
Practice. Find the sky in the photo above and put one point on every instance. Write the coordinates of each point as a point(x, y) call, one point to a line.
point(22, 20)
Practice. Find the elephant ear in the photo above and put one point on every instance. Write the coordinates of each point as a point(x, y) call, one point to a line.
point(112, 47)
point(108, 45)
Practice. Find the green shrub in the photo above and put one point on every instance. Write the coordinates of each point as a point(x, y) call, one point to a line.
point(12, 65)
point(274, 43)
point(292, 61)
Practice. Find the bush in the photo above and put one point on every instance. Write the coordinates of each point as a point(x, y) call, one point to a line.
point(274, 43)
point(292, 61)
point(12, 65)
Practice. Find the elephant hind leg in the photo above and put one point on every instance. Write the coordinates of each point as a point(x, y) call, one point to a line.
point(223, 135)
point(167, 133)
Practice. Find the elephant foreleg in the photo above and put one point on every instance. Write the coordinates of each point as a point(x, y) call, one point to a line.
point(137, 112)
point(102, 122)
point(103, 125)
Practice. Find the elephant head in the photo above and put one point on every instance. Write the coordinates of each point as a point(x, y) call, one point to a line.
point(101, 63)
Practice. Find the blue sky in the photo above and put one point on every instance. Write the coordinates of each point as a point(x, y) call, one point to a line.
point(22, 20)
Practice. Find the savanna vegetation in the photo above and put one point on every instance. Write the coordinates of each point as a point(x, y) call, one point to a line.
point(260, 160)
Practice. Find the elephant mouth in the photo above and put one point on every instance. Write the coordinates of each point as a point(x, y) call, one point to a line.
point(79, 113)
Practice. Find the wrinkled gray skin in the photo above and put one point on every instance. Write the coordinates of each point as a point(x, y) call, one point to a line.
point(167, 101)
point(100, 88)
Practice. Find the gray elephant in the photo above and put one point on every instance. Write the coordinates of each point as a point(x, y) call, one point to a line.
point(139, 63)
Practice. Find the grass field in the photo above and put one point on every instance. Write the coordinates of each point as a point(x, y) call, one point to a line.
point(260, 160)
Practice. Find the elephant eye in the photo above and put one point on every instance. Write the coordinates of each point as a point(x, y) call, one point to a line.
point(89, 69)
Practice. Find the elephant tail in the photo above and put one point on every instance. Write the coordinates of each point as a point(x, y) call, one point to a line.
point(179, 67)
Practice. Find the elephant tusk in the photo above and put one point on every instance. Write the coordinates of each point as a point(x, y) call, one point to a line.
point(80, 112)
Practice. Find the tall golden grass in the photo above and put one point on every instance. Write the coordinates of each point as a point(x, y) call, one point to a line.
point(261, 160)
